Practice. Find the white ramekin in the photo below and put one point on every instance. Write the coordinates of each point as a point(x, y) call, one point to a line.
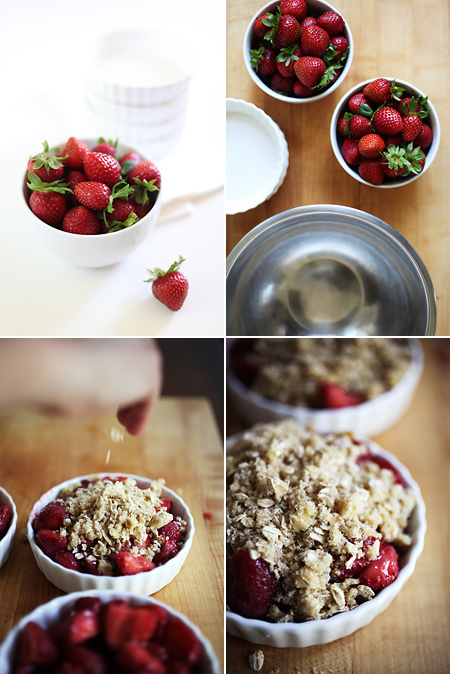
point(257, 156)
point(337, 139)
point(146, 582)
point(51, 613)
point(315, 7)
point(6, 543)
point(314, 632)
point(370, 418)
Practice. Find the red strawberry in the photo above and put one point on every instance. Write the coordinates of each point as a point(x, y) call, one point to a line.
point(107, 147)
point(411, 127)
point(370, 170)
point(381, 571)
point(350, 152)
point(283, 84)
point(141, 210)
point(424, 137)
point(142, 623)
point(340, 43)
point(378, 90)
point(309, 70)
point(92, 603)
point(371, 145)
point(90, 566)
point(146, 178)
point(5, 518)
point(301, 90)
point(121, 210)
point(263, 60)
point(408, 105)
point(285, 61)
point(341, 572)
point(395, 140)
point(260, 27)
point(93, 195)
point(80, 627)
point(334, 396)
point(314, 41)
point(68, 560)
point(48, 206)
point(73, 179)
point(307, 21)
point(130, 156)
point(356, 101)
point(384, 464)
point(35, 647)
point(101, 168)
point(332, 22)
point(251, 586)
point(170, 287)
point(89, 660)
point(359, 126)
point(168, 550)
point(296, 8)
point(129, 565)
point(116, 618)
point(342, 126)
point(51, 542)
point(172, 531)
point(289, 31)
point(387, 121)
point(47, 165)
point(52, 516)
point(75, 150)
point(136, 659)
point(182, 643)
point(81, 220)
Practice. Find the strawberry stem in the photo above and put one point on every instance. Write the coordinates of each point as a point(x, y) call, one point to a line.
point(158, 273)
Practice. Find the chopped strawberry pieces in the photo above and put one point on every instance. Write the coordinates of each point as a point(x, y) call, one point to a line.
point(168, 550)
point(384, 464)
point(136, 659)
point(129, 564)
point(171, 531)
point(35, 647)
point(51, 542)
point(182, 643)
point(51, 517)
point(90, 661)
point(80, 627)
point(115, 621)
point(165, 503)
point(91, 603)
point(251, 586)
point(334, 397)
point(5, 518)
point(381, 571)
point(68, 560)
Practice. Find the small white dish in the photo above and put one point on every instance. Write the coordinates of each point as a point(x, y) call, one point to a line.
point(315, 8)
point(369, 418)
point(6, 543)
point(337, 139)
point(58, 609)
point(314, 632)
point(136, 114)
point(257, 156)
point(146, 582)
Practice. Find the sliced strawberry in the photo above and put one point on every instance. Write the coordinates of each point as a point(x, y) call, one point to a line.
point(165, 503)
point(91, 603)
point(5, 518)
point(171, 531)
point(129, 564)
point(35, 647)
point(80, 627)
point(182, 643)
point(384, 464)
point(158, 651)
point(251, 586)
point(91, 661)
point(51, 542)
point(178, 667)
point(136, 659)
point(168, 550)
point(142, 623)
point(340, 571)
point(90, 566)
point(382, 571)
point(115, 620)
point(52, 516)
point(334, 396)
point(68, 560)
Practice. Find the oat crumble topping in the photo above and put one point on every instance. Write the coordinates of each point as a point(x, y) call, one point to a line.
point(302, 502)
point(291, 371)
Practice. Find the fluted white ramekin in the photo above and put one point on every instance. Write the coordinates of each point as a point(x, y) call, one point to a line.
point(146, 582)
point(7, 541)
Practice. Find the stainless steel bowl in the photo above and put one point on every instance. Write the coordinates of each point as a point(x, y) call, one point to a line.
point(327, 270)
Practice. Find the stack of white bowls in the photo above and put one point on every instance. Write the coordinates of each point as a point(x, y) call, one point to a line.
point(138, 88)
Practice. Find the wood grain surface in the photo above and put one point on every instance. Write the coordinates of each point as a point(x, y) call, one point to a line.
point(181, 444)
point(407, 39)
point(411, 635)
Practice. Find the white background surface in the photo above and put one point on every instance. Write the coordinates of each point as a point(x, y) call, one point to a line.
point(44, 54)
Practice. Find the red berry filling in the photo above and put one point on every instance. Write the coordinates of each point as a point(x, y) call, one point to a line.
point(251, 587)
point(5, 519)
point(98, 638)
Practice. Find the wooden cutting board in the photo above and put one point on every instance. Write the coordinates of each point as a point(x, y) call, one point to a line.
point(181, 444)
point(407, 39)
point(412, 635)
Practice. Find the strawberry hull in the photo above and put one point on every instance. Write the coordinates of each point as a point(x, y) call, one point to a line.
point(316, 8)
point(337, 139)
point(93, 250)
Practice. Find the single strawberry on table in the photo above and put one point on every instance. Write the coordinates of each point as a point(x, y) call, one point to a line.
point(169, 287)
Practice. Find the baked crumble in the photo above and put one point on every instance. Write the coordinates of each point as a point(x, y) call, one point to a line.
point(314, 508)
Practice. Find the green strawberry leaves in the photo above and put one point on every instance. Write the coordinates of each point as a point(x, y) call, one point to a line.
point(48, 158)
point(406, 157)
point(272, 21)
point(255, 57)
point(35, 183)
point(109, 142)
point(120, 190)
point(142, 189)
point(157, 272)
point(286, 54)
point(127, 166)
point(116, 225)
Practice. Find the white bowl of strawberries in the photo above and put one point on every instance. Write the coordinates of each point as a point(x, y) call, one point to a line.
point(91, 202)
point(298, 50)
point(385, 132)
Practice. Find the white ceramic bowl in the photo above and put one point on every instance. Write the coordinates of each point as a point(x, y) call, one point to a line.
point(137, 67)
point(370, 418)
point(7, 541)
point(134, 114)
point(92, 250)
point(257, 156)
point(56, 610)
point(311, 633)
point(147, 582)
point(336, 139)
point(315, 8)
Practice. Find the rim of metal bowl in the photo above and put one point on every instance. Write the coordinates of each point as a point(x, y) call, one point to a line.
point(370, 219)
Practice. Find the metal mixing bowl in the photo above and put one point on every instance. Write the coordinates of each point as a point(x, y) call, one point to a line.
point(327, 270)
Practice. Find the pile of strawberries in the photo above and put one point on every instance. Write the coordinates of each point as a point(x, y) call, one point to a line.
point(86, 191)
point(298, 54)
point(98, 638)
point(384, 132)
point(5, 519)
